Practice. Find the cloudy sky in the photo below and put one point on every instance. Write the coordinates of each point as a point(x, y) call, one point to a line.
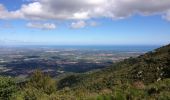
point(85, 22)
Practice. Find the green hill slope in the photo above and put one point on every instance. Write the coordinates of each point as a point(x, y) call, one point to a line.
point(137, 73)
point(150, 67)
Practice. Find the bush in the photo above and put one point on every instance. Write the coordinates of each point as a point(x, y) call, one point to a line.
point(39, 87)
point(7, 88)
point(42, 82)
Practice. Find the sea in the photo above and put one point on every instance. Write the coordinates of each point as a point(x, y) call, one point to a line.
point(120, 48)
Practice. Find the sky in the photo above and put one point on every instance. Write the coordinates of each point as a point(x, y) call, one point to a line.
point(84, 22)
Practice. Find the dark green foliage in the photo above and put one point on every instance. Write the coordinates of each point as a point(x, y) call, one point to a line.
point(68, 81)
point(7, 88)
point(152, 66)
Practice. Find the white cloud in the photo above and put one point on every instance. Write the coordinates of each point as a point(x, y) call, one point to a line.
point(82, 24)
point(5, 14)
point(93, 23)
point(48, 26)
point(78, 24)
point(86, 9)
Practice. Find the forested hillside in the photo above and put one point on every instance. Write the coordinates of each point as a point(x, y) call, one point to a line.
point(145, 77)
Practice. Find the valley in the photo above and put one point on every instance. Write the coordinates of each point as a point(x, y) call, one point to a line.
point(22, 61)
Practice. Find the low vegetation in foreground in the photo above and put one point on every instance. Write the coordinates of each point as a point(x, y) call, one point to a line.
point(146, 77)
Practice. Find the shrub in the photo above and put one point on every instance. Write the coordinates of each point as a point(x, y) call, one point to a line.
point(7, 88)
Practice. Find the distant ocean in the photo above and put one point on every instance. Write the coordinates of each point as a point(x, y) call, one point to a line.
point(112, 48)
point(133, 48)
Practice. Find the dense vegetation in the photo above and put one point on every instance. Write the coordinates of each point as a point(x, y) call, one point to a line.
point(145, 77)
